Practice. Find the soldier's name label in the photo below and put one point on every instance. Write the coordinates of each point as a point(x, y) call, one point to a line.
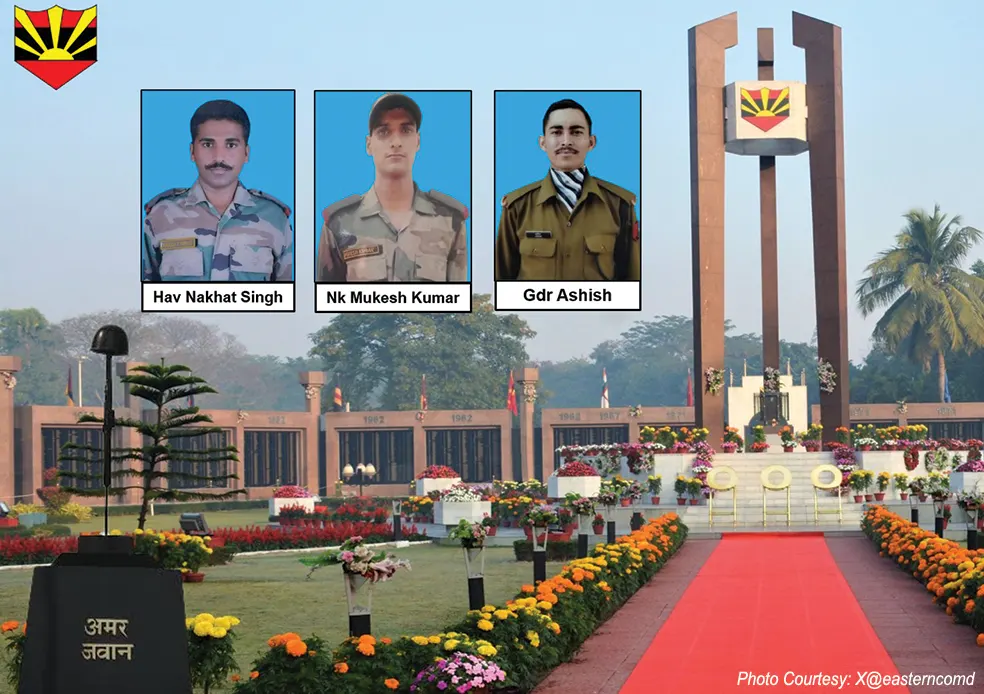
point(393, 297)
point(567, 296)
point(259, 297)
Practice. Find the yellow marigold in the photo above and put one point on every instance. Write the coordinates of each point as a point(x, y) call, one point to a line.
point(487, 651)
point(544, 605)
point(484, 625)
point(420, 640)
point(296, 648)
point(341, 668)
point(434, 639)
point(502, 614)
point(451, 644)
point(392, 683)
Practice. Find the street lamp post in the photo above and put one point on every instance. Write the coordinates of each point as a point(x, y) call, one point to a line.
point(363, 473)
point(110, 341)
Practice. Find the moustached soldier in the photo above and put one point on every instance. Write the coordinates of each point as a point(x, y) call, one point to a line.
point(395, 232)
point(217, 230)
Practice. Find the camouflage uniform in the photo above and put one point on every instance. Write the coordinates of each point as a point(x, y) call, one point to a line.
point(359, 244)
point(540, 240)
point(185, 239)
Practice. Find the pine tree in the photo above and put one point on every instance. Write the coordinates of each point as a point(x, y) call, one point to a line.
point(158, 460)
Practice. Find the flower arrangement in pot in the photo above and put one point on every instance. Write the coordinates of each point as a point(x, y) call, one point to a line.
point(732, 441)
point(884, 479)
point(859, 483)
point(357, 559)
point(655, 483)
point(598, 524)
point(292, 515)
point(916, 487)
point(434, 478)
point(695, 489)
point(680, 487)
point(582, 508)
point(461, 672)
point(470, 535)
point(291, 491)
point(869, 480)
point(438, 472)
point(900, 481)
point(788, 439)
point(973, 503)
point(491, 524)
point(566, 520)
point(539, 518)
point(811, 437)
point(758, 439)
point(631, 494)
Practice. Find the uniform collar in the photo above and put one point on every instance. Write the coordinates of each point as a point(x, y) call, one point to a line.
point(242, 198)
point(370, 203)
point(548, 190)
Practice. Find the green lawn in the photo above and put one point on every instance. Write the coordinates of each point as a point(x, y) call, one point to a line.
point(270, 594)
point(169, 521)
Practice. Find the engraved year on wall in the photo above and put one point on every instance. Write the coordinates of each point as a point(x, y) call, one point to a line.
point(576, 417)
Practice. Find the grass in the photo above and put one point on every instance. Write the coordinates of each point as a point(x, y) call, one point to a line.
point(271, 595)
point(169, 521)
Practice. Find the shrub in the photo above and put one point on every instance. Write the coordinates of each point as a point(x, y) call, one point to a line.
point(21, 509)
point(211, 650)
point(72, 513)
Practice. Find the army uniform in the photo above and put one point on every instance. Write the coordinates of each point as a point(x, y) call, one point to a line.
point(540, 240)
point(359, 244)
point(185, 239)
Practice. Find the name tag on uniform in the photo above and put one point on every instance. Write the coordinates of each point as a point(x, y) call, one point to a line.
point(364, 252)
point(539, 234)
point(175, 244)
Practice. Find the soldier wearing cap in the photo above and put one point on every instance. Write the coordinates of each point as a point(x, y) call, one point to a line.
point(395, 232)
point(217, 230)
point(570, 225)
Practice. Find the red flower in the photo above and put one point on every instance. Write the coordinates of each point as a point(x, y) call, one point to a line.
point(577, 469)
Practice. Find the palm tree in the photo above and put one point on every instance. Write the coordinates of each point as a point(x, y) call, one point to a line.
point(933, 306)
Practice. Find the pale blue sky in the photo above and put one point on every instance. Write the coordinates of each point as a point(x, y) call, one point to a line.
point(913, 104)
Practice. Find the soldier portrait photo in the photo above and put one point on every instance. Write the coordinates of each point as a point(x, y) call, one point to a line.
point(215, 228)
point(573, 223)
point(401, 216)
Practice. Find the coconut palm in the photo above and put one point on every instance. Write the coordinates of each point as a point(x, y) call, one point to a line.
point(933, 306)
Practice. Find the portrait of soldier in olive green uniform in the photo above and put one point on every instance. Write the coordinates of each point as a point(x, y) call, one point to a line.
point(569, 225)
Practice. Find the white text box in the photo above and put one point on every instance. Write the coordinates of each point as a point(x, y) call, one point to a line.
point(389, 297)
point(567, 296)
point(218, 297)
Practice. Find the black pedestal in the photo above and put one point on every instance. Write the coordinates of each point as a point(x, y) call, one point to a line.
point(476, 593)
point(360, 624)
point(539, 565)
point(914, 515)
point(611, 532)
point(938, 526)
point(582, 545)
point(971, 538)
point(105, 620)
point(397, 528)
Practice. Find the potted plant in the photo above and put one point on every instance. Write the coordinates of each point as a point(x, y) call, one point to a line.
point(858, 483)
point(788, 439)
point(884, 479)
point(574, 477)
point(900, 481)
point(967, 475)
point(436, 478)
point(566, 520)
point(916, 485)
point(631, 493)
point(655, 487)
point(581, 507)
point(680, 487)
point(491, 524)
point(290, 495)
point(758, 439)
point(695, 488)
point(539, 517)
point(843, 435)
point(459, 672)
point(869, 479)
point(292, 515)
point(598, 524)
point(732, 441)
point(192, 551)
point(470, 535)
point(811, 437)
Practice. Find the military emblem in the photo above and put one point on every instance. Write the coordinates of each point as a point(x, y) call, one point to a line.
point(765, 108)
point(55, 45)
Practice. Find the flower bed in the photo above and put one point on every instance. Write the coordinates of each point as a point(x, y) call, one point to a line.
point(526, 637)
point(954, 576)
point(256, 539)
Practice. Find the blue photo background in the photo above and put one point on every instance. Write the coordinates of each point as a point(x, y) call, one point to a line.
point(615, 120)
point(342, 167)
point(165, 157)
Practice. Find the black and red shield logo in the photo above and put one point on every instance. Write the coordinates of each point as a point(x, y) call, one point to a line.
point(55, 45)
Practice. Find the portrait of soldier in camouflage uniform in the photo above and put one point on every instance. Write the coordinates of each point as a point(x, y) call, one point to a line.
point(395, 232)
point(218, 230)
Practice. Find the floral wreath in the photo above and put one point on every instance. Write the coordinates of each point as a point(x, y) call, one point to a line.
point(826, 375)
point(713, 380)
point(770, 380)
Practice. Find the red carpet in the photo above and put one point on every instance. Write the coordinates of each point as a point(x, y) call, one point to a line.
point(769, 606)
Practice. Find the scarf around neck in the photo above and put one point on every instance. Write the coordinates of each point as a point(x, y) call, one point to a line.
point(569, 185)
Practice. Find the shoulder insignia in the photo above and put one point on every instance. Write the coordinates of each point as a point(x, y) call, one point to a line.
point(618, 190)
point(266, 196)
point(339, 206)
point(173, 193)
point(512, 197)
point(448, 201)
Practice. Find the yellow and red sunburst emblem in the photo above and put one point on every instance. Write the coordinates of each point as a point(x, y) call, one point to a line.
point(55, 45)
point(765, 108)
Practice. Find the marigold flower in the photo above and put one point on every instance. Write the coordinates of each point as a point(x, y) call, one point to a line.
point(295, 648)
point(253, 675)
point(392, 683)
point(10, 625)
point(366, 649)
point(341, 668)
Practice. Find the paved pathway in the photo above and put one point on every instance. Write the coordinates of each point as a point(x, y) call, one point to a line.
point(607, 658)
point(917, 633)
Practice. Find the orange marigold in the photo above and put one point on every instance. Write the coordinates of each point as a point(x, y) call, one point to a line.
point(341, 668)
point(296, 648)
point(392, 683)
point(9, 625)
point(253, 675)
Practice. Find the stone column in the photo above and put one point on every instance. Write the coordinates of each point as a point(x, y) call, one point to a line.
point(313, 383)
point(526, 385)
point(9, 367)
point(769, 224)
